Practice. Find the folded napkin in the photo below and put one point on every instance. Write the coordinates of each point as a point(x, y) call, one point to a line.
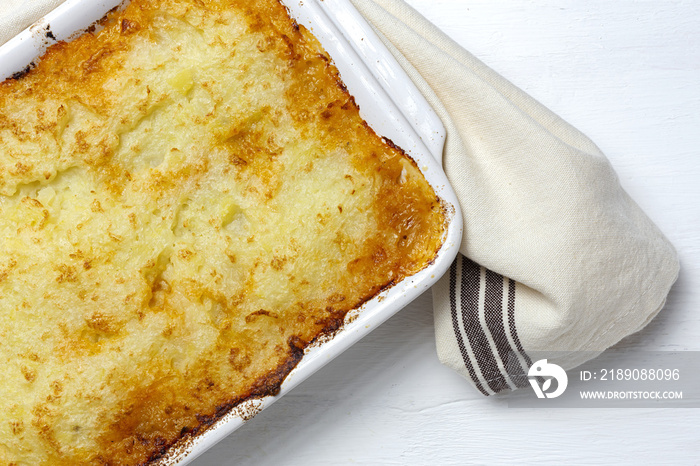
point(555, 255)
point(556, 258)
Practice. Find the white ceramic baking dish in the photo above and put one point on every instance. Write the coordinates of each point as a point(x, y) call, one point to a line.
point(389, 102)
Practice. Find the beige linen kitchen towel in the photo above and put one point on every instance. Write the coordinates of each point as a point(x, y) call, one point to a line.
point(555, 255)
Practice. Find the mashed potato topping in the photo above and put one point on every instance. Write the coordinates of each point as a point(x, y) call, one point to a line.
point(188, 198)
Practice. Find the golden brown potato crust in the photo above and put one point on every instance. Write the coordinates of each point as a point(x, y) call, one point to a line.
point(188, 198)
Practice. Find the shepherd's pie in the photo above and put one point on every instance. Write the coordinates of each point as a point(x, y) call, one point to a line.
point(188, 199)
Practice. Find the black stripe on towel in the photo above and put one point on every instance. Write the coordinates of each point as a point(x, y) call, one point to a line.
point(457, 331)
point(478, 339)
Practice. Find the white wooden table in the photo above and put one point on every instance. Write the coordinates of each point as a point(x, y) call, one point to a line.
point(628, 75)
